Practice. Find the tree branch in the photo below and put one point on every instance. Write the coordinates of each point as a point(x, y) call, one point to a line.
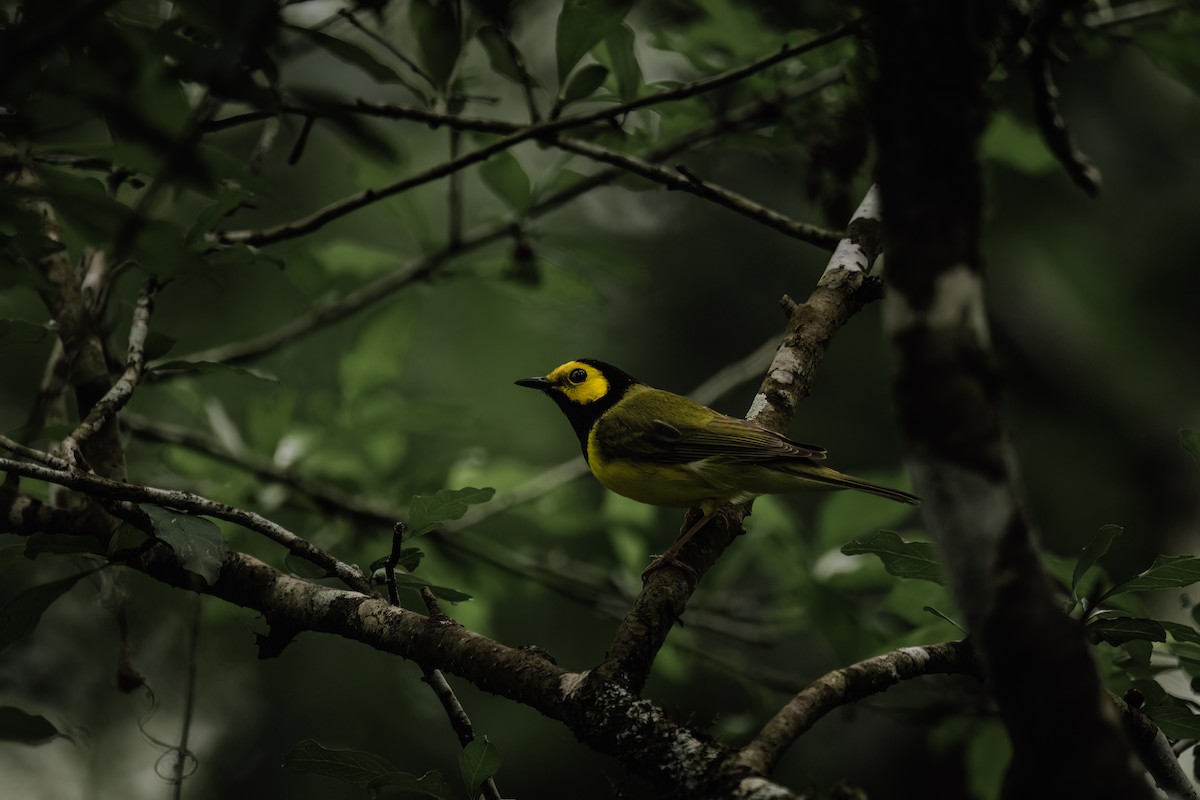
point(96, 486)
point(114, 399)
point(387, 285)
point(541, 130)
point(81, 342)
point(848, 685)
point(841, 291)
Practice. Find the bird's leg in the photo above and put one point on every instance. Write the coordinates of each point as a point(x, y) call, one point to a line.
point(669, 557)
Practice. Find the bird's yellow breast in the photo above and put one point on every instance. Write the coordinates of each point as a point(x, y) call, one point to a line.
point(670, 485)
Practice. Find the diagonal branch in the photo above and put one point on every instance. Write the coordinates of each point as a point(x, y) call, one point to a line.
point(389, 284)
point(96, 486)
point(842, 290)
point(538, 131)
point(848, 685)
point(114, 399)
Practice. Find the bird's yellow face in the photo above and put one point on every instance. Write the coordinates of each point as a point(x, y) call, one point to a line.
point(580, 383)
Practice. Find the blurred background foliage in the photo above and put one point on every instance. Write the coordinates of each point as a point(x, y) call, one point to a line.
point(118, 105)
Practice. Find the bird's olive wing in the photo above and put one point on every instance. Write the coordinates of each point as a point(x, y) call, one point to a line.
point(659, 426)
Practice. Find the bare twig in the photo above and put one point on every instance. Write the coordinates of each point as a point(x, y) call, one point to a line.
point(847, 685)
point(459, 721)
point(266, 140)
point(455, 196)
point(1045, 105)
point(320, 492)
point(684, 180)
point(346, 205)
point(41, 457)
point(1155, 751)
point(115, 398)
point(183, 755)
point(387, 285)
point(522, 72)
point(349, 16)
point(97, 486)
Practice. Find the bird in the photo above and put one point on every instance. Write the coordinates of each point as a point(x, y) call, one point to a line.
point(664, 449)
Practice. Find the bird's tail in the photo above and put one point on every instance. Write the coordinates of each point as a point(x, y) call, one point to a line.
point(840, 480)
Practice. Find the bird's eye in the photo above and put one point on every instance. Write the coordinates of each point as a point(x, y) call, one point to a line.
point(577, 376)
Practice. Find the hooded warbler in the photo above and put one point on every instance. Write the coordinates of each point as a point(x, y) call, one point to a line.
point(661, 448)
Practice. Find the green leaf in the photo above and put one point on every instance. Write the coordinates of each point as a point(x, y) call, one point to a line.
point(84, 205)
point(623, 59)
point(1171, 46)
point(439, 36)
point(843, 516)
point(1116, 629)
point(21, 614)
point(1017, 145)
point(406, 581)
point(61, 544)
point(508, 180)
point(431, 784)
point(407, 559)
point(197, 542)
point(157, 345)
point(211, 367)
point(349, 53)
point(477, 762)
point(941, 616)
point(1093, 551)
point(1190, 439)
point(492, 39)
point(1181, 633)
point(428, 512)
point(584, 83)
point(19, 726)
point(1177, 721)
point(349, 766)
point(212, 216)
point(1167, 572)
point(18, 331)
point(581, 26)
point(904, 559)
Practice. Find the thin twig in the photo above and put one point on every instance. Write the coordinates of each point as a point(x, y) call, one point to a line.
point(459, 721)
point(46, 459)
point(183, 755)
point(684, 180)
point(348, 16)
point(387, 285)
point(455, 191)
point(94, 485)
point(121, 392)
point(346, 205)
point(320, 492)
point(1049, 117)
point(266, 140)
point(522, 72)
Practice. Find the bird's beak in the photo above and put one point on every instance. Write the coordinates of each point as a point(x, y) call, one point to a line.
point(540, 384)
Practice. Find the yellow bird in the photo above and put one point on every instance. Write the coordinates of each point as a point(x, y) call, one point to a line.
point(661, 448)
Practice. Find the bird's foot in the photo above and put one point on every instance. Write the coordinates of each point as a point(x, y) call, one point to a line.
point(668, 559)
